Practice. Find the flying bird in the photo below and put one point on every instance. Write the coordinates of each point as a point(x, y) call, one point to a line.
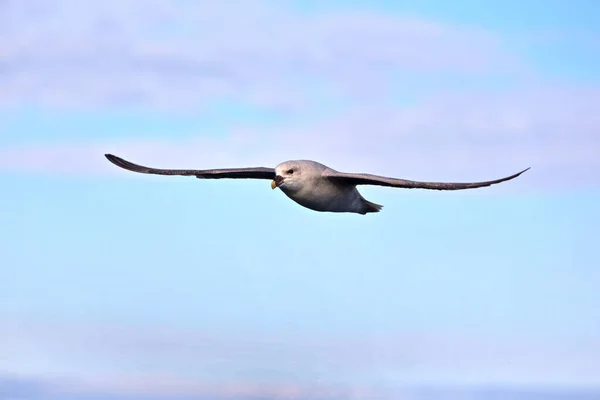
point(311, 184)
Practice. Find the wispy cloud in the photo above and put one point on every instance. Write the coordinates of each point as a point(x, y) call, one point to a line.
point(165, 359)
point(31, 388)
point(181, 54)
point(161, 387)
point(445, 136)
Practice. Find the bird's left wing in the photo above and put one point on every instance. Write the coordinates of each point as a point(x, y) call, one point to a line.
point(368, 179)
point(234, 173)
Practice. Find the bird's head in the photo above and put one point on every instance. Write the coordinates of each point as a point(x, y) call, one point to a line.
point(288, 176)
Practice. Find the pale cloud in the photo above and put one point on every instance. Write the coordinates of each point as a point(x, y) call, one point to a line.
point(165, 360)
point(446, 136)
point(181, 54)
point(163, 387)
point(32, 388)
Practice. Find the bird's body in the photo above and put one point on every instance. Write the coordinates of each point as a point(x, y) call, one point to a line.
point(313, 185)
point(321, 194)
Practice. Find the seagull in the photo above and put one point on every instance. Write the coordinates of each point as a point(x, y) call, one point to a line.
point(311, 184)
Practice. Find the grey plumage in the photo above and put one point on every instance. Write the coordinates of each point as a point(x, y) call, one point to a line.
point(235, 173)
point(313, 185)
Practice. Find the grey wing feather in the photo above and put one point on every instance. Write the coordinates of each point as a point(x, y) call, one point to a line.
point(234, 173)
point(368, 179)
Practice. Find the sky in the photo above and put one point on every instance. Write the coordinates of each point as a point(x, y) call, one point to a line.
point(116, 285)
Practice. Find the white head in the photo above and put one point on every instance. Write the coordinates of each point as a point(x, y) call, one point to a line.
point(291, 176)
point(288, 176)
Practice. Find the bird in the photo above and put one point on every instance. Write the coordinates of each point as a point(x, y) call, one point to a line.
point(313, 185)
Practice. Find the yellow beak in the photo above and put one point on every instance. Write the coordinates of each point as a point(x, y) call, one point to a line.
point(273, 184)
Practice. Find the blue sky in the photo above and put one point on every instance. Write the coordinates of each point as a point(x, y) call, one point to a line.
point(127, 284)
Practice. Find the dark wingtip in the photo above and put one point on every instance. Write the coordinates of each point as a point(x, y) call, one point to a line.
point(508, 178)
point(119, 162)
point(519, 173)
point(513, 176)
point(113, 159)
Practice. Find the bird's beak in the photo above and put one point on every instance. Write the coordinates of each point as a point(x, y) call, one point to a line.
point(276, 182)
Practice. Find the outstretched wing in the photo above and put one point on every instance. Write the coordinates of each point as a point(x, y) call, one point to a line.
point(368, 179)
point(235, 173)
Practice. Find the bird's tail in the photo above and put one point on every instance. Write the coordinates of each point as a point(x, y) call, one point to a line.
point(370, 207)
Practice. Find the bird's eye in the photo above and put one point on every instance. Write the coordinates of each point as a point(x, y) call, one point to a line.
point(290, 171)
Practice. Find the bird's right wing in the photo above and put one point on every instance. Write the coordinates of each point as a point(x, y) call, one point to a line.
point(234, 173)
point(368, 179)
